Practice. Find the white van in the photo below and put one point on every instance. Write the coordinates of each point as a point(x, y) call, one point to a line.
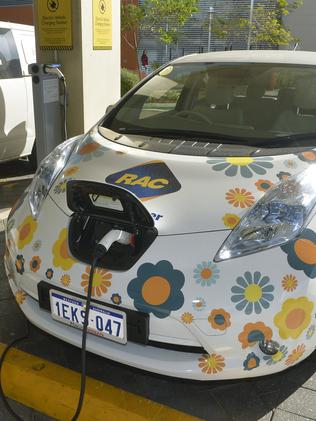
point(17, 130)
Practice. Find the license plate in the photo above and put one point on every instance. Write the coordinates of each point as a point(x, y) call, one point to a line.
point(103, 321)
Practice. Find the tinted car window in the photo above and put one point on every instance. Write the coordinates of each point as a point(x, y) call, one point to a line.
point(10, 66)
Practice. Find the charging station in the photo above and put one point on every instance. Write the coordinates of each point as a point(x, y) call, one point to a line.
point(47, 107)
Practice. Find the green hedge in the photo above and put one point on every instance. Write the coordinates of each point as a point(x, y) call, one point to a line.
point(128, 80)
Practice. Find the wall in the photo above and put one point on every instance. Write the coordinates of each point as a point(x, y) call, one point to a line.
point(303, 25)
point(17, 14)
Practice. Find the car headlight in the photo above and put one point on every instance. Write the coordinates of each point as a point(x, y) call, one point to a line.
point(46, 174)
point(277, 217)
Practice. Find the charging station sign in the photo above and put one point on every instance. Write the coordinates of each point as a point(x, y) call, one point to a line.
point(55, 24)
point(146, 181)
point(102, 24)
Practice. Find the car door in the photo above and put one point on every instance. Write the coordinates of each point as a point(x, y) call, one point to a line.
point(13, 100)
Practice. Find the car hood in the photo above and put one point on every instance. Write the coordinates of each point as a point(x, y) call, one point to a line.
point(184, 194)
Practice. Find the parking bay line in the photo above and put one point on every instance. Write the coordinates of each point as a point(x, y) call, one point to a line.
point(54, 390)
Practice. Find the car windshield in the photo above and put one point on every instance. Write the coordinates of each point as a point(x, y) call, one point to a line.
point(265, 102)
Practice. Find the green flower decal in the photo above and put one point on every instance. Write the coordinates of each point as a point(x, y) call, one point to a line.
point(157, 289)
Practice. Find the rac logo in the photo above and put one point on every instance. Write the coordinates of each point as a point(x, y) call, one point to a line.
point(146, 181)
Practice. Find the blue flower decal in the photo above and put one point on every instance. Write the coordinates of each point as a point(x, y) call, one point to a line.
point(301, 252)
point(252, 293)
point(157, 289)
point(198, 304)
point(247, 166)
point(252, 361)
point(206, 273)
point(282, 175)
point(88, 150)
point(276, 358)
point(116, 299)
point(19, 264)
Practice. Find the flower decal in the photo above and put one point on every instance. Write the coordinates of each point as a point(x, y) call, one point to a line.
point(61, 253)
point(199, 304)
point(276, 358)
point(252, 293)
point(230, 220)
point(116, 299)
point(290, 163)
point(20, 296)
point(37, 245)
point(310, 331)
point(246, 166)
point(211, 364)
point(26, 231)
point(289, 283)
point(282, 175)
point(251, 362)
point(294, 317)
point(264, 185)
point(35, 263)
point(49, 273)
point(308, 156)
point(206, 274)
point(100, 284)
point(301, 252)
point(19, 264)
point(295, 355)
point(253, 333)
point(157, 289)
point(219, 319)
point(187, 318)
point(65, 280)
point(71, 171)
point(88, 150)
point(240, 198)
point(61, 186)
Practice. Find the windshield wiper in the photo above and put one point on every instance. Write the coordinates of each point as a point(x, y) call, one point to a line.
point(294, 140)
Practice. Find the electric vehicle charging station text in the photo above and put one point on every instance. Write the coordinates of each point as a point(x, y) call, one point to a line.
point(47, 107)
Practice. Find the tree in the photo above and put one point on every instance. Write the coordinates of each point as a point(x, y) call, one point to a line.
point(266, 25)
point(165, 18)
point(132, 16)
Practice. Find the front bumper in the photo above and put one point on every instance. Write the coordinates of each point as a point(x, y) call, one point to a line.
point(231, 353)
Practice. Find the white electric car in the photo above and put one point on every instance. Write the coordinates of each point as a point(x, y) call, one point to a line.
point(209, 165)
point(17, 129)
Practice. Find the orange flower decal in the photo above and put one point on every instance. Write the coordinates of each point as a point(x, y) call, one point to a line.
point(100, 284)
point(264, 185)
point(187, 318)
point(211, 364)
point(253, 333)
point(240, 198)
point(71, 171)
point(295, 355)
point(35, 264)
point(219, 319)
point(26, 231)
point(88, 148)
point(289, 283)
point(230, 220)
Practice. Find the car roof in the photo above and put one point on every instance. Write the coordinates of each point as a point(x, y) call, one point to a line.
point(11, 25)
point(252, 56)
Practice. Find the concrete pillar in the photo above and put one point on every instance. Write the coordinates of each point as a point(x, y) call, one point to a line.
point(93, 76)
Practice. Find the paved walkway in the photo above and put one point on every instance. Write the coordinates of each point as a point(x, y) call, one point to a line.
point(288, 396)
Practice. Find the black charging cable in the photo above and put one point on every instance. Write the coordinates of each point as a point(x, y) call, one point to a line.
point(3, 356)
point(100, 251)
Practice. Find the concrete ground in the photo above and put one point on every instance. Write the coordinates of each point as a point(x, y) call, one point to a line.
point(288, 396)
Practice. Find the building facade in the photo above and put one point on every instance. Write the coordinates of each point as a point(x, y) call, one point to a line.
point(17, 11)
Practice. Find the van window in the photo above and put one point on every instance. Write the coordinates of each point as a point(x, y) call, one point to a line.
point(10, 66)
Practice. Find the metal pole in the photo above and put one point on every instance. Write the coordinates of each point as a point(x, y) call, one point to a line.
point(211, 11)
point(250, 24)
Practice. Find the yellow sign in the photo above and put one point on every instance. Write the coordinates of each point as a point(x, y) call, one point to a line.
point(102, 24)
point(55, 24)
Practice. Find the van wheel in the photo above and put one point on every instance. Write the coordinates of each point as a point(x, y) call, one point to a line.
point(33, 158)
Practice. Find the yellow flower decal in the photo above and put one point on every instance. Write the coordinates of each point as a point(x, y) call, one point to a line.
point(101, 281)
point(61, 254)
point(65, 280)
point(294, 317)
point(211, 364)
point(20, 296)
point(230, 220)
point(187, 318)
point(26, 231)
